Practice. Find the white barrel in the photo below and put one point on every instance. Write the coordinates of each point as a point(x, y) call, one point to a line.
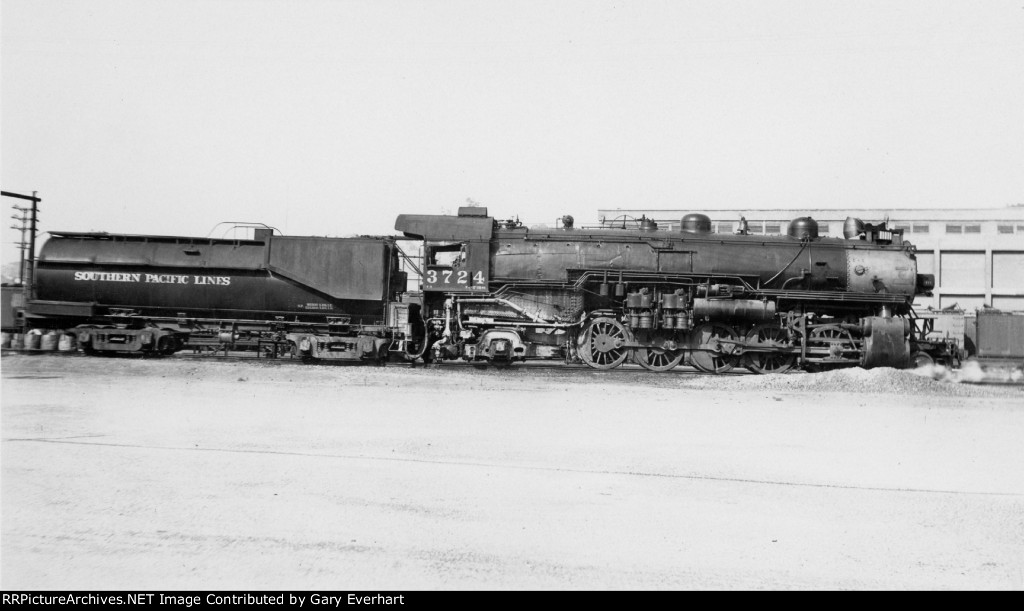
point(66, 343)
point(49, 341)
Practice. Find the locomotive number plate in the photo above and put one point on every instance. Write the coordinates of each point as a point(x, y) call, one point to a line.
point(443, 278)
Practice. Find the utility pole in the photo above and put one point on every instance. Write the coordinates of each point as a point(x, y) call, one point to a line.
point(29, 215)
point(22, 226)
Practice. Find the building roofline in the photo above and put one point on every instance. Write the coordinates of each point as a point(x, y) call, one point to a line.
point(1009, 213)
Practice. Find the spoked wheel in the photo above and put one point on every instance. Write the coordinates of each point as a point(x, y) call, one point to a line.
point(601, 344)
point(767, 362)
point(657, 359)
point(838, 342)
point(712, 333)
point(921, 359)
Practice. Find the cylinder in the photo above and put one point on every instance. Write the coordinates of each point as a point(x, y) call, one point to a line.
point(633, 300)
point(49, 341)
point(620, 289)
point(66, 343)
point(646, 320)
point(32, 341)
point(670, 301)
point(745, 309)
point(604, 289)
point(634, 320)
point(668, 322)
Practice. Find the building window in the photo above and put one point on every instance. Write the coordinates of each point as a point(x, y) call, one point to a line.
point(972, 228)
point(724, 228)
point(954, 228)
point(773, 228)
point(823, 229)
point(905, 227)
point(1006, 229)
point(756, 227)
point(920, 228)
point(1020, 228)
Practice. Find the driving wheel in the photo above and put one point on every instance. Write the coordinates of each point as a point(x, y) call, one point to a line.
point(601, 345)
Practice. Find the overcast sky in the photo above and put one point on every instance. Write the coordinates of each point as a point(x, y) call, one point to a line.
point(332, 117)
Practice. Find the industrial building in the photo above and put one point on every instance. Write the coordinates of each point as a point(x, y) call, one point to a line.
point(976, 254)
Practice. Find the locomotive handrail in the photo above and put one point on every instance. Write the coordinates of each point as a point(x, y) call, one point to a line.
point(832, 296)
point(243, 224)
point(409, 260)
point(624, 218)
point(683, 279)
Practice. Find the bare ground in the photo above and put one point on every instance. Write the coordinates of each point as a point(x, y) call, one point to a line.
point(185, 474)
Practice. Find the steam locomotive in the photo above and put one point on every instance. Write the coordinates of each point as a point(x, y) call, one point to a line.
point(499, 292)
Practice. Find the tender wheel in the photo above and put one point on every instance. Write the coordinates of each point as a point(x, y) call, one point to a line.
point(767, 362)
point(168, 345)
point(712, 333)
point(657, 359)
point(601, 344)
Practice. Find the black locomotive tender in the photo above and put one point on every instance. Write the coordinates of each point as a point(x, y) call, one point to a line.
point(499, 292)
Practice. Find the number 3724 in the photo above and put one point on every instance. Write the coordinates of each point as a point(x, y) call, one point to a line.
point(449, 276)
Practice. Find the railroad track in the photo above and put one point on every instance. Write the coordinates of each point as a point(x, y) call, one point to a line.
point(239, 357)
point(628, 369)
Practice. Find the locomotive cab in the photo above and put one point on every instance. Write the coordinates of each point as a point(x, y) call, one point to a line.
point(465, 319)
point(456, 249)
point(455, 266)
